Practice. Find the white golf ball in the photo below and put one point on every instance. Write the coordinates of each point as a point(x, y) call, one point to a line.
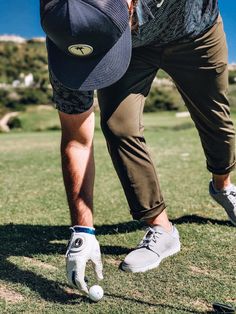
point(95, 293)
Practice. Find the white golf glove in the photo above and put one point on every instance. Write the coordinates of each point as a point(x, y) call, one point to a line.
point(82, 247)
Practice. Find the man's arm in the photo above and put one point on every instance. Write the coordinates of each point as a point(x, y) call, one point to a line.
point(78, 174)
point(78, 165)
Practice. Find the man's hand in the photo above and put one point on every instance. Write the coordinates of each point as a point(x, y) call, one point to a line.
point(83, 246)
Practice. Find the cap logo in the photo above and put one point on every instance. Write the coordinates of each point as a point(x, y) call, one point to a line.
point(80, 50)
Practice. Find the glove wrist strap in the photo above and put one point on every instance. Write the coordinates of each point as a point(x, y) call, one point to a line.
point(83, 229)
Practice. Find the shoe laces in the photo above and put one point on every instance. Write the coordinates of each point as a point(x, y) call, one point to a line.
point(150, 235)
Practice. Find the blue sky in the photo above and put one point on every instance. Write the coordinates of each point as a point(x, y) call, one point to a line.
point(21, 17)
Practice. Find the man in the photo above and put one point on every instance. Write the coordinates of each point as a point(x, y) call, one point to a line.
point(186, 39)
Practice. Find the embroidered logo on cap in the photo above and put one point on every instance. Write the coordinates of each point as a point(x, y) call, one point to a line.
point(80, 50)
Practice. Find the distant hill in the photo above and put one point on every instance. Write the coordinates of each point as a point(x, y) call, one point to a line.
point(23, 57)
point(19, 55)
point(19, 39)
point(20, 58)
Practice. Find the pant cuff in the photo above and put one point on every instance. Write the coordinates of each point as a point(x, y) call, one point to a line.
point(147, 214)
point(221, 171)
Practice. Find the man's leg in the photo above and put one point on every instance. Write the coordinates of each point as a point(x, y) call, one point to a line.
point(199, 70)
point(121, 120)
point(78, 164)
point(221, 181)
point(131, 158)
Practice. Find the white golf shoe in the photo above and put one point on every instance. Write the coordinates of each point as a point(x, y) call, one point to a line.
point(156, 245)
point(226, 198)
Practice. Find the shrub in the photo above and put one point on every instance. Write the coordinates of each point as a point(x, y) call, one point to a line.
point(22, 58)
point(18, 99)
point(232, 77)
point(15, 123)
point(161, 98)
point(34, 96)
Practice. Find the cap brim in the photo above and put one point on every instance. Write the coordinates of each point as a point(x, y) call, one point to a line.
point(91, 73)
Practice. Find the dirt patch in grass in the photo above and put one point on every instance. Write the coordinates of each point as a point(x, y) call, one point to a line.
point(72, 292)
point(213, 274)
point(232, 301)
point(201, 305)
point(38, 263)
point(112, 261)
point(10, 295)
point(197, 270)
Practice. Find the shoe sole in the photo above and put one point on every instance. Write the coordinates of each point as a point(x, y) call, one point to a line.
point(127, 268)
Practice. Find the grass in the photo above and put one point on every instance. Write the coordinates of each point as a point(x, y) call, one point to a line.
point(38, 118)
point(34, 224)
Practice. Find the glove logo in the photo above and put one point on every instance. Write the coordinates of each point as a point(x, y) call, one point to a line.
point(78, 243)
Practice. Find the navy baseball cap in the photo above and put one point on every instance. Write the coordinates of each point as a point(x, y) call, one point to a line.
point(88, 41)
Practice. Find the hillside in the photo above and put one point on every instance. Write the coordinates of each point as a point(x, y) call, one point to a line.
point(23, 75)
point(24, 80)
point(28, 57)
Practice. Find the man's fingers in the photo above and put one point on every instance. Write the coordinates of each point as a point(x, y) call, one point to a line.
point(78, 277)
point(81, 284)
point(97, 265)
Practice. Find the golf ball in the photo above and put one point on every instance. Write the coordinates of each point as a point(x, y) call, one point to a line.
point(95, 293)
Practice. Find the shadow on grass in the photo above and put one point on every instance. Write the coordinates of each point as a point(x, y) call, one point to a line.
point(47, 289)
point(159, 305)
point(195, 219)
point(123, 227)
point(29, 240)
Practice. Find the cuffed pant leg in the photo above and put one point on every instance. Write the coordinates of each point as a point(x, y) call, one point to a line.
point(199, 70)
point(121, 121)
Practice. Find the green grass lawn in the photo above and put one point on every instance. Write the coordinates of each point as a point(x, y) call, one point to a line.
point(34, 223)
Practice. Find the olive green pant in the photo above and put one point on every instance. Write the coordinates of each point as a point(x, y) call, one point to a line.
point(199, 70)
